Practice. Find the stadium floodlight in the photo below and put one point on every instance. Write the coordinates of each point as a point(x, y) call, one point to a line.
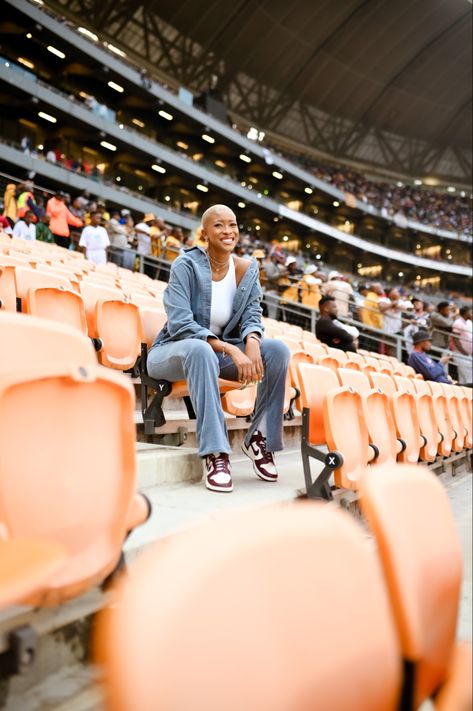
point(115, 50)
point(277, 174)
point(220, 164)
point(137, 122)
point(26, 62)
point(417, 182)
point(181, 144)
point(55, 51)
point(117, 87)
point(88, 33)
point(47, 117)
point(242, 205)
point(158, 168)
point(165, 115)
point(451, 189)
point(209, 139)
point(308, 190)
point(245, 158)
point(202, 188)
point(110, 146)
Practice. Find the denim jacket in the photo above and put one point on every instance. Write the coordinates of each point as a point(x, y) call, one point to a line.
point(188, 296)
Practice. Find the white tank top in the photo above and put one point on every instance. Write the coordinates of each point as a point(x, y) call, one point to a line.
point(223, 293)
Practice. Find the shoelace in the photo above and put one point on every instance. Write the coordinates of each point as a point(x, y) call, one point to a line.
point(220, 464)
point(266, 456)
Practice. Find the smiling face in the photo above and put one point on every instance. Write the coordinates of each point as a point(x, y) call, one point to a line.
point(220, 228)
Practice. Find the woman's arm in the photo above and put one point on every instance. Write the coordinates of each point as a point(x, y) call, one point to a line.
point(251, 319)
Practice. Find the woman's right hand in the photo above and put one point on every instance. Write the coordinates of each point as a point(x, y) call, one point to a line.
point(247, 372)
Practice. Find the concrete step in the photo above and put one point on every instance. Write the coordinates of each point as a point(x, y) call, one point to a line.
point(158, 464)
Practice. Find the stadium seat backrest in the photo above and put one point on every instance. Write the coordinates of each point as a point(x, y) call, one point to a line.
point(315, 381)
point(439, 409)
point(354, 379)
point(27, 278)
point(7, 287)
point(74, 482)
point(371, 363)
point(455, 417)
point(293, 344)
point(257, 562)
point(338, 354)
point(382, 381)
point(27, 339)
point(152, 315)
point(464, 405)
point(346, 432)
point(316, 350)
point(425, 416)
point(58, 304)
point(409, 513)
point(404, 411)
point(356, 358)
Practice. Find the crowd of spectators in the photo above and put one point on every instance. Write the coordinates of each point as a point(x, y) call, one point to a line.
point(85, 223)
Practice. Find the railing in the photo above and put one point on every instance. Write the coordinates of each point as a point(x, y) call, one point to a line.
point(274, 306)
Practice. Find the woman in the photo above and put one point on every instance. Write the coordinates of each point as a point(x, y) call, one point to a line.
point(214, 329)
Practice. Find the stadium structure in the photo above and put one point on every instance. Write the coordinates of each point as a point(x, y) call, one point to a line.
point(339, 134)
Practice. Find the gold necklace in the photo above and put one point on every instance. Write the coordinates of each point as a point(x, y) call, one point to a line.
point(218, 266)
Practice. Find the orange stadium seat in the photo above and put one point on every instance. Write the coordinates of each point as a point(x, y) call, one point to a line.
point(81, 492)
point(277, 650)
point(464, 405)
point(115, 322)
point(440, 412)
point(409, 514)
point(25, 568)
point(27, 279)
point(455, 417)
point(152, 315)
point(404, 411)
point(425, 417)
point(239, 402)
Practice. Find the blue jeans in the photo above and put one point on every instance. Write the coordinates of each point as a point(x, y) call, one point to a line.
point(193, 360)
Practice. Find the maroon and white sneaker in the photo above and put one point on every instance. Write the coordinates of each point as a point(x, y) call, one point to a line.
point(263, 461)
point(217, 472)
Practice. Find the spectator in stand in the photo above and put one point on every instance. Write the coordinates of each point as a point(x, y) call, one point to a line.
point(51, 156)
point(143, 239)
point(9, 203)
point(25, 227)
point(43, 233)
point(341, 290)
point(61, 218)
point(462, 337)
point(5, 226)
point(392, 308)
point(420, 315)
point(117, 233)
point(330, 333)
point(420, 361)
point(370, 314)
point(26, 200)
point(94, 240)
point(78, 208)
point(441, 323)
point(273, 271)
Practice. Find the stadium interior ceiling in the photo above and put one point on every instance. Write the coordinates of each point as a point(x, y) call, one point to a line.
point(303, 71)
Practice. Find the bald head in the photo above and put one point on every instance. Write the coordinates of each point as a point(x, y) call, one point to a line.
point(217, 211)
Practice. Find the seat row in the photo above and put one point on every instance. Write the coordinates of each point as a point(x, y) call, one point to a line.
point(291, 608)
point(374, 418)
point(68, 495)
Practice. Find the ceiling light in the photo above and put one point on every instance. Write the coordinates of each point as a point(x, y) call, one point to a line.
point(202, 188)
point(117, 87)
point(285, 238)
point(26, 62)
point(275, 219)
point(448, 251)
point(307, 246)
point(253, 180)
point(120, 125)
point(463, 193)
point(417, 182)
point(417, 246)
point(242, 205)
point(55, 51)
point(257, 227)
point(308, 190)
point(278, 175)
point(449, 256)
point(318, 256)
point(29, 35)
point(39, 2)
point(88, 33)
point(164, 114)
point(181, 144)
point(359, 265)
point(84, 95)
point(118, 179)
point(451, 189)
point(140, 187)
point(47, 117)
point(245, 158)
point(220, 164)
point(336, 203)
point(167, 198)
point(209, 139)
point(110, 146)
point(40, 147)
point(400, 274)
point(400, 184)
point(115, 50)
point(316, 209)
point(158, 168)
point(418, 277)
point(243, 184)
point(138, 123)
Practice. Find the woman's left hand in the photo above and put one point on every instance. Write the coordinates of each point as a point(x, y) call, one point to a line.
point(253, 352)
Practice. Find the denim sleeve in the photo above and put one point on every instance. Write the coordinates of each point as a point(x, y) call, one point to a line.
point(251, 318)
point(176, 298)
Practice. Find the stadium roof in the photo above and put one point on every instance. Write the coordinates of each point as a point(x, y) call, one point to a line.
point(377, 81)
